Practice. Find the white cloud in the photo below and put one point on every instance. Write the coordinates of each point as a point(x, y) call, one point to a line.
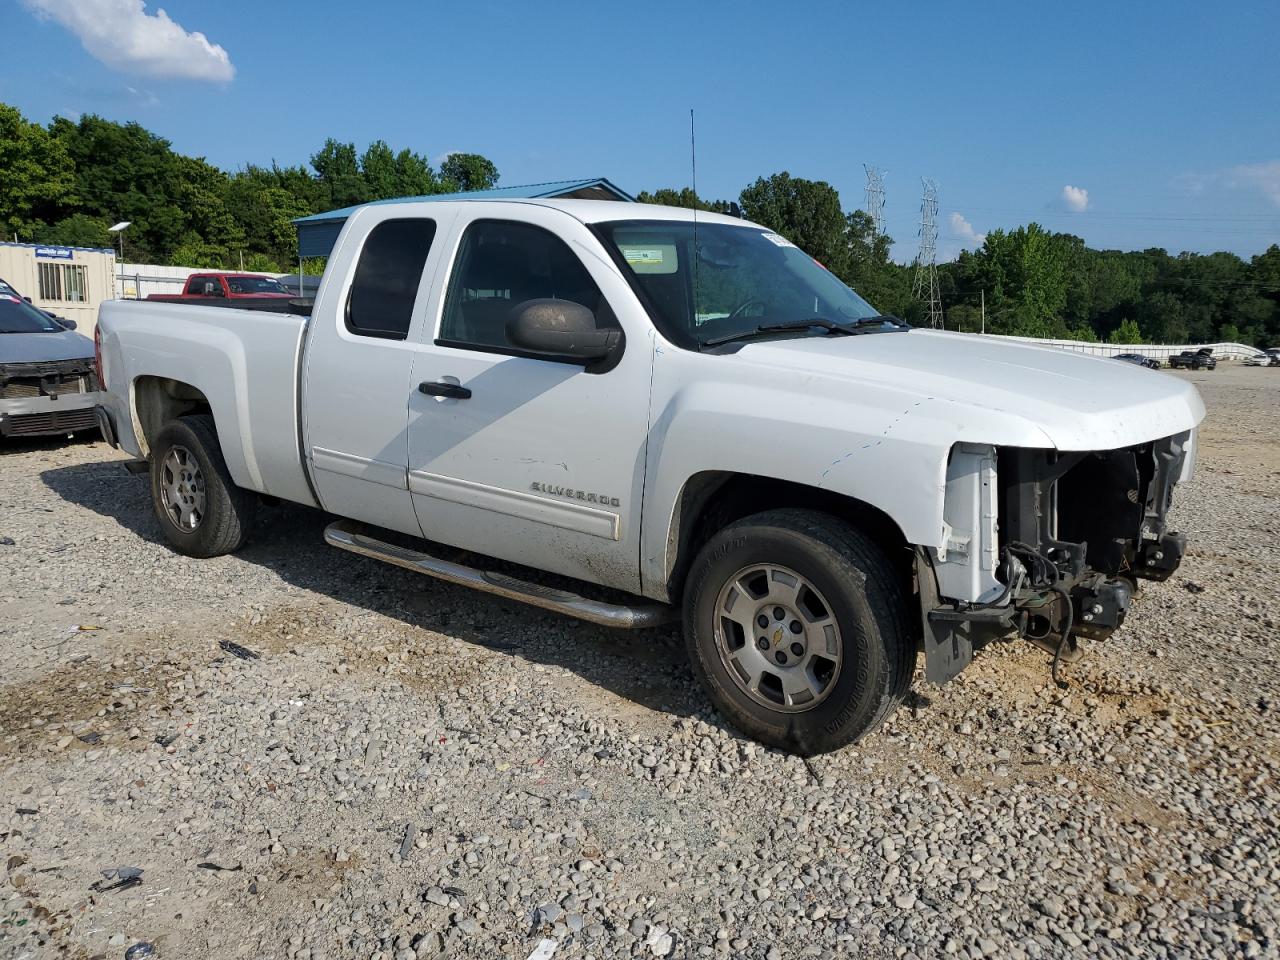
point(1260, 176)
point(125, 37)
point(1076, 198)
point(1263, 177)
point(963, 230)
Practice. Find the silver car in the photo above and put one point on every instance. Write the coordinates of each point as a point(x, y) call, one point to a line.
point(47, 383)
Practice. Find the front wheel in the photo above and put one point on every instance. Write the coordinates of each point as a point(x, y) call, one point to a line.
point(201, 510)
point(797, 624)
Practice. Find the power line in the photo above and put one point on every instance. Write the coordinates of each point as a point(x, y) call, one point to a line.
point(1259, 218)
point(873, 201)
point(925, 286)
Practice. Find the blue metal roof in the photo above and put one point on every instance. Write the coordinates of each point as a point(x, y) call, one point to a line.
point(319, 232)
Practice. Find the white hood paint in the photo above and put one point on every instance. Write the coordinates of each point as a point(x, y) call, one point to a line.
point(876, 416)
point(1075, 401)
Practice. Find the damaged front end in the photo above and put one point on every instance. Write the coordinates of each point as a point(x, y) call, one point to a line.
point(1046, 544)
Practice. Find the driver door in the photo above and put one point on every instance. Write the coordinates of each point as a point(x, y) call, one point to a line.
point(525, 458)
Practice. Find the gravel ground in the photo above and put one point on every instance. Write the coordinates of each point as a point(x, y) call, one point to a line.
point(309, 754)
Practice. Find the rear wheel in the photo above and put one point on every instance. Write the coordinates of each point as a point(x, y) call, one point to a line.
point(797, 625)
point(201, 510)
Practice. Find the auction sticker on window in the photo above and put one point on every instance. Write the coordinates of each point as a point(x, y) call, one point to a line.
point(650, 256)
point(777, 240)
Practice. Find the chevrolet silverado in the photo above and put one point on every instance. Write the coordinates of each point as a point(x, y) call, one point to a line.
point(668, 415)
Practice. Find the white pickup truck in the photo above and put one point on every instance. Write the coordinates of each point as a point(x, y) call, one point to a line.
point(689, 412)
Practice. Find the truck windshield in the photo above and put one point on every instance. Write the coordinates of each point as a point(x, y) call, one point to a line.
point(255, 285)
point(745, 278)
point(18, 316)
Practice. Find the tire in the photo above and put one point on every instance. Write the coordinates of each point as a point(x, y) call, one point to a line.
point(209, 515)
point(846, 575)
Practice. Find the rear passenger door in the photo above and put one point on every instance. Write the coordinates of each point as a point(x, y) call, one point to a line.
point(358, 363)
point(517, 456)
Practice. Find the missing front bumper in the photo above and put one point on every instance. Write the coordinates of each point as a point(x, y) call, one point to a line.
point(1076, 532)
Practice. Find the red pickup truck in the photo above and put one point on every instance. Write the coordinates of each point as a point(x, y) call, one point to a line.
point(227, 286)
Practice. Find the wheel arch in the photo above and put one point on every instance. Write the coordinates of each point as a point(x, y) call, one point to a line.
point(158, 400)
point(712, 499)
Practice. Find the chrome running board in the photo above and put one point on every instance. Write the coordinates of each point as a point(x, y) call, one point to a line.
point(349, 535)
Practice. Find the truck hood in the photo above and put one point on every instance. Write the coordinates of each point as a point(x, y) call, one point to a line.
point(42, 347)
point(999, 391)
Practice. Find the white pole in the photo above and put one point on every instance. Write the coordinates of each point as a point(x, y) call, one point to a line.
point(984, 310)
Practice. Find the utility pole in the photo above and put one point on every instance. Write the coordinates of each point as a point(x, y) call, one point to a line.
point(925, 286)
point(873, 197)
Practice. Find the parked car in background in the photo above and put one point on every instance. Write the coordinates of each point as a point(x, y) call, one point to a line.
point(304, 286)
point(1201, 359)
point(227, 286)
point(47, 381)
point(1271, 358)
point(1136, 358)
point(7, 289)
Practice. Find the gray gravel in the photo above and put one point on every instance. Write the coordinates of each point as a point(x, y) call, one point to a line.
point(406, 769)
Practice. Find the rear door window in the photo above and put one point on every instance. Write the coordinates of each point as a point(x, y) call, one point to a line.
point(380, 302)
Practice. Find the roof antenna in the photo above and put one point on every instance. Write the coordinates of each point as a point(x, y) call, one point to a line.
point(693, 176)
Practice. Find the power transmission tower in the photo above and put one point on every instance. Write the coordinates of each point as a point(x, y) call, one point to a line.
point(925, 286)
point(873, 201)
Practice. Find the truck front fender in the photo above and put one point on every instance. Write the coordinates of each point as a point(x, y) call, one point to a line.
point(890, 456)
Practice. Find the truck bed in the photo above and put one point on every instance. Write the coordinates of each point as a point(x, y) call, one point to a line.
point(244, 361)
point(297, 305)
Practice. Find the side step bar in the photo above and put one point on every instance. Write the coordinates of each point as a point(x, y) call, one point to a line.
point(349, 535)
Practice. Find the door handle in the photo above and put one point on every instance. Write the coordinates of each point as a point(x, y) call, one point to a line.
point(443, 388)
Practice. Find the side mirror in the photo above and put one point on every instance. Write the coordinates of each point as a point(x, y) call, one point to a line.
point(560, 328)
point(69, 324)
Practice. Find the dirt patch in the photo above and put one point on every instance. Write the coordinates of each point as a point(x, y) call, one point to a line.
point(82, 706)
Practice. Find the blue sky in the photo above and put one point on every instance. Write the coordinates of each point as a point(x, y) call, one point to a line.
point(1163, 114)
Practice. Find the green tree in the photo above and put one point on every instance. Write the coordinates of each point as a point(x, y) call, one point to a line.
point(1162, 318)
point(338, 171)
point(201, 192)
point(68, 182)
point(869, 269)
point(1080, 333)
point(414, 176)
point(36, 175)
point(125, 172)
point(77, 230)
point(265, 210)
point(1127, 332)
point(467, 171)
point(964, 317)
point(806, 212)
point(683, 197)
point(378, 168)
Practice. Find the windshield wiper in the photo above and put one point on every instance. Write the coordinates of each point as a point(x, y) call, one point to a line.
point(878, 318)
point(829, 325)
point(766, 328)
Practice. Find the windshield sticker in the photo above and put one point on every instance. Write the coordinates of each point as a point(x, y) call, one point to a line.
point(651, 256)
point(777, 240)
point(648, 254)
